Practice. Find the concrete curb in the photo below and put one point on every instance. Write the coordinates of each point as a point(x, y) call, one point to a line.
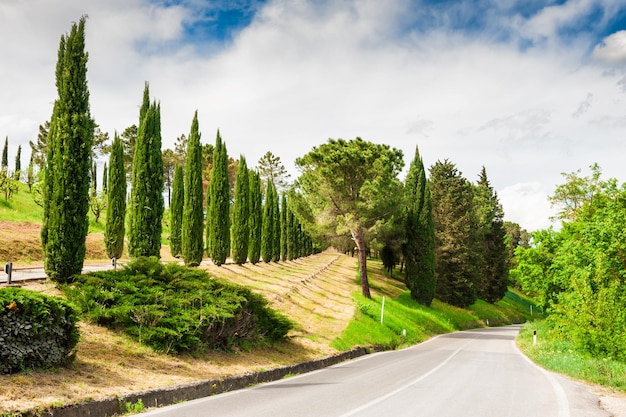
point(172, 395)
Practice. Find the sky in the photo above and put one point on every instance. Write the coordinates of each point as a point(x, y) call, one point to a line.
point(529, 89)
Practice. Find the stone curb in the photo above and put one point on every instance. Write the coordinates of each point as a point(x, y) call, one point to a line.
point(172, 395)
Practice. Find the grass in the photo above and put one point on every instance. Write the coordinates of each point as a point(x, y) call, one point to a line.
point(21, 207)
point(559, 355)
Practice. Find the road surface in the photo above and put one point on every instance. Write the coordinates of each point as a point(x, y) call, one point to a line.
point(472, 373)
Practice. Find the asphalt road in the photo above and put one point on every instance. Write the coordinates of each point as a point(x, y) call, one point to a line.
point(473, 373)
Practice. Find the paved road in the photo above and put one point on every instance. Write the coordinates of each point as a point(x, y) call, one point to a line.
point(472, 373)
point(26, 273)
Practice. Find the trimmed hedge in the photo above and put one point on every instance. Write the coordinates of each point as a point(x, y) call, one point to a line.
point(36, 331)
point(173, 308)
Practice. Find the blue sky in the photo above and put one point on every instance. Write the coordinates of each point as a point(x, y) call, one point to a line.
point(527, 88)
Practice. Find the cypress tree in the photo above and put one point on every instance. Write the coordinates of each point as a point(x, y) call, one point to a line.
point(176, 212)
point(30, 174)
point(146, 200)
point(419, 247)
point(66, 189)
point(283, 228)
point(219, 211)
point(105, 179)
point(192, 227)
point(267, 232)
point(275, 225)
point(5, 154)
point(116, 208)
point(18, 163)
point(240, 232)
point(94, 178)
point(256, 218)
point(291, 236)
point(492, 254)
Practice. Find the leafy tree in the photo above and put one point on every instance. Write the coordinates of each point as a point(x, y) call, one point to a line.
point(256, 218)
point(176, 213)
point(219, 210)
point(8, 186)
point(100, 143)
point(66, 190)
point(352, 186)
point(30, 174)
point(516, 237)
point(18, 163)
point(492, 281)
point(240, 232)
point(116, 208)
point(272, 169)
point(39, 148)
point(193, 215)
point(129, 139)
point(267, 233)
point(571, 196)
point(97, 205)
point(455, 247)
point(5, 155)
point(419, 247)
point(170, 161)
point(146, 198)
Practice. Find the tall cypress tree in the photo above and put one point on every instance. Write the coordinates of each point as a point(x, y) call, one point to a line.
point(116, 208)
point(66, 189)
point(5, 154)
point(94, 178)
point(267, 232)
point(455, 242)
point(419, 247)
point(256, 218)
point(291, 236)
point(18, 163)
point(193, 216)
point(492, 254)
point(105, 179)
point(283, 228)
point(275, 225)
point(146, 200)
point(240, 232)
point(219, 210)
point(176, 212)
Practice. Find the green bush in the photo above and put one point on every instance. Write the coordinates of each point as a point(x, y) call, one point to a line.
point(174, 308)
point(36, 331)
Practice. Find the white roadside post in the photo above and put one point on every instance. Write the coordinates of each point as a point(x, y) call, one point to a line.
point(534, 337)
point(382, 311)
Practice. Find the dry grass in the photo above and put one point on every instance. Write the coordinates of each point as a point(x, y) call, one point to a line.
point(315, 292)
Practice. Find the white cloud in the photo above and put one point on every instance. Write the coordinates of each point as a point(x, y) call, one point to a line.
point(612, 50)
point(527, 204)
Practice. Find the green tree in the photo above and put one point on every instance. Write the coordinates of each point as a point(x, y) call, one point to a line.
point(8, 186)
point(453, 216)
point(170, 161)
point(193, 215)
point(94, 179)
point(267, 232)
point(240, 232)
point(352, 186)
point(272, 169)
point(146, 197)
point(493, 260)
point(66, 191)
point(30, 174)
point(219, 210)
point(18, 163)
point(39, 148)
point(283, 228)
point(256, 218)
point(275, 225)
point(419, 246)
point(5, 155)
point(176, 213)
point(129, 139)
point(105, 179)
point(116, 208)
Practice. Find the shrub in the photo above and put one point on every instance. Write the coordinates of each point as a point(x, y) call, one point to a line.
point(36, 331)
point(173, 308)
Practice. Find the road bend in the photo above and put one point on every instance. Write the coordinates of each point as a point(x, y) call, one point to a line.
point(471, 373)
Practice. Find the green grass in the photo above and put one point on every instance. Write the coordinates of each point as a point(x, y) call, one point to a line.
point(405, 322)
point(21, 207)
point(559, 355)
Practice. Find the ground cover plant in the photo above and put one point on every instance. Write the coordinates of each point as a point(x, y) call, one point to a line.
point(174, 309)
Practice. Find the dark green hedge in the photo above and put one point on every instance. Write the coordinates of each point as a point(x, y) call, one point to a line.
point(176, 309)
point(36, 331)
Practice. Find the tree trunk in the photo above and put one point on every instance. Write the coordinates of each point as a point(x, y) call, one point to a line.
point(362, 256)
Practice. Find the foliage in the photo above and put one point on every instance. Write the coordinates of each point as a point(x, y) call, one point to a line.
point(146, 205)
point(256, 218)
point(98, 204)
point(8, 185)
point(283, 228)
point(36, 331)
point(116, 210)
point(267, 232)
point(5, 155)
point(271, 169)
point(66, 189)
point(579, 272)
point(193, 215)
point(455, 232)
point(176, 309)
point(18, 164)
point(351, 187)
point(240, 232)
point(176, 212)
point(218, 213)
point(419, 246)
